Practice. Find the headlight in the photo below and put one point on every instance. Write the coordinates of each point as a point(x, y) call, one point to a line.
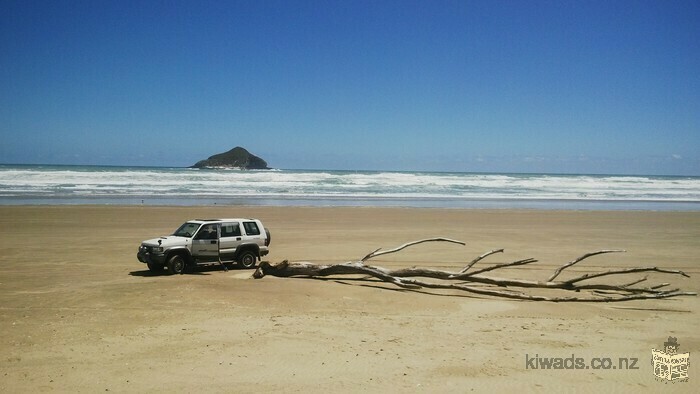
point(151, 249)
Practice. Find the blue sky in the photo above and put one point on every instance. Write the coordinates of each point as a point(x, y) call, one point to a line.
point(516, 86)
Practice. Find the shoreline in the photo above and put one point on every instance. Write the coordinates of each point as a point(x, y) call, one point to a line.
point(322, 202)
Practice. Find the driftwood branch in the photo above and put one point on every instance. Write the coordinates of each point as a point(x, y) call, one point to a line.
point(576, 261)
point(406, 245)
point(476, 260)
point(476, 283)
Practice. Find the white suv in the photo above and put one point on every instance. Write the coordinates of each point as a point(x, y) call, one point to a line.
point(198, 241)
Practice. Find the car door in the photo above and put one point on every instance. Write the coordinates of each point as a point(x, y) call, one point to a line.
point(205, 244)
point(231, 239)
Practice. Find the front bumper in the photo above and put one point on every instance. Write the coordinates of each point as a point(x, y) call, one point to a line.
point(150, 258)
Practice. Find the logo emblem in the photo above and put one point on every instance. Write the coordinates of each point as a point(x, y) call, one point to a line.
point(669, 365)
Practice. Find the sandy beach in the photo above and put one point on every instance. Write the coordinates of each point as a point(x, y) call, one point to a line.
point(79, 313)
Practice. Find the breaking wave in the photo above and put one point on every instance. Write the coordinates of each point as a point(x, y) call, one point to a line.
point(87, 184)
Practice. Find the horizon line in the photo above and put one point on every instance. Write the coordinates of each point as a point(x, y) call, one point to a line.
point(359, 170)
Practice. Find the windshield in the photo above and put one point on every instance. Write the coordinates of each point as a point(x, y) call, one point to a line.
point(186, 230)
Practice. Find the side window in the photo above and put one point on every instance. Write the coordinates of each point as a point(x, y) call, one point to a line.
point(207, 231)
point(230, 230)
point(251, 228)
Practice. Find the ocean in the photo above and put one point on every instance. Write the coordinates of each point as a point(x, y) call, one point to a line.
point(51, 184)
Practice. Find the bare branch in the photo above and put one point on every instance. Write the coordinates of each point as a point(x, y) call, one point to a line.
point(635, 282)
point(476, 260)
point(404, 246)
point(585, 256)
point(371, 254)
point(626, 271)
point(495, 267)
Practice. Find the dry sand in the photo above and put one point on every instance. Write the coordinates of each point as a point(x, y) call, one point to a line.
point(79, 313)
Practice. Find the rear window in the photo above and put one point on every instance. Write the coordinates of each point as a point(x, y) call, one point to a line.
point(251, 228)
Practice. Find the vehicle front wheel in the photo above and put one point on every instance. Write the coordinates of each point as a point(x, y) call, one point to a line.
point(247, 259)
point(176, 264)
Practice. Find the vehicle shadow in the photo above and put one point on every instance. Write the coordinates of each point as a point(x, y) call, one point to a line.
point(149, 273)
point(196, 270)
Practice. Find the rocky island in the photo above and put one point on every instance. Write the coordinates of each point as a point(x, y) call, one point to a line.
point(236, 158)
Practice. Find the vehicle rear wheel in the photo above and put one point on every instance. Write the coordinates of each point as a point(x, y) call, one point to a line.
point(176, 264)
point(247, 259)
point(155, 267)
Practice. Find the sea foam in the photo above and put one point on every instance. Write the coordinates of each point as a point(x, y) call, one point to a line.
point(80, 184)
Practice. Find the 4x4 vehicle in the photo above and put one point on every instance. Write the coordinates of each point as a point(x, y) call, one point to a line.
point(201, 241)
